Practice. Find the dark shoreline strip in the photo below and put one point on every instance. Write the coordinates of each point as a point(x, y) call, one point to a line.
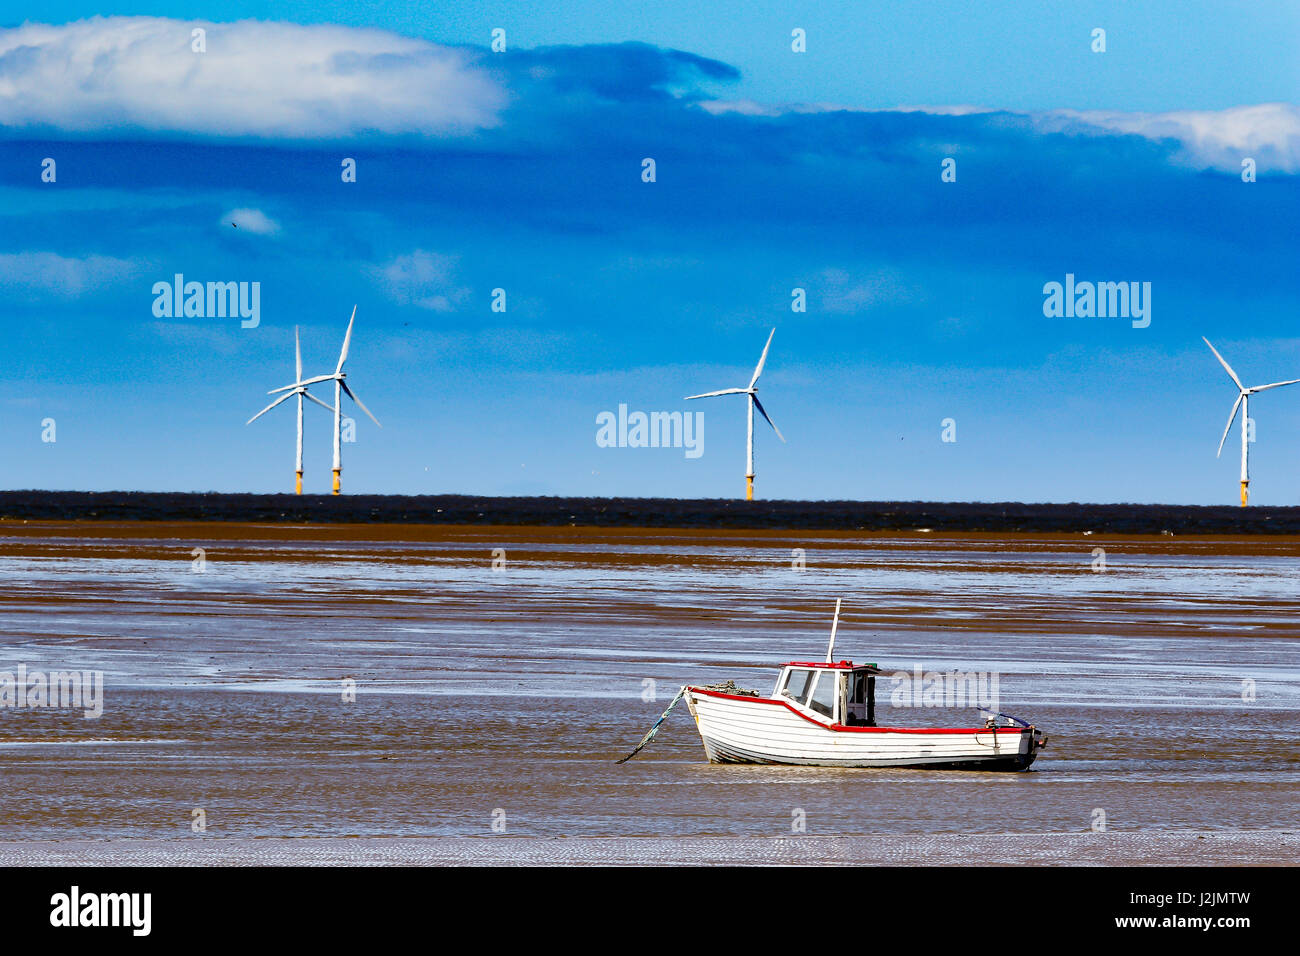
point(1001, 517)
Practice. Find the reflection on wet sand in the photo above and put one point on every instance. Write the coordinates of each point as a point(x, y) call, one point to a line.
point(514, 689)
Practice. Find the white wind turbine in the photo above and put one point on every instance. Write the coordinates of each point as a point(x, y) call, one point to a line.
point(340, 385)
point(752, 391)
point(301, 392)
point(1243, 400)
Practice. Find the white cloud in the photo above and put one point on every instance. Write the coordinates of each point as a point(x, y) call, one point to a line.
point(956, 109)
point(422, 279)
point(754, 108)
point(36, 275)
point(1213, 139)
point(251, 220)
point(1269, 132)
point(256, 79)
point(285, 81)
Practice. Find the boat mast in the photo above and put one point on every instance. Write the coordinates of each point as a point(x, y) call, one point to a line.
point(830, 649)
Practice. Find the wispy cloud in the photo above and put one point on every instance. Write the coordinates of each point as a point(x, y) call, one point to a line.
point(1268, 132)
point(845, 293)
point(422, 279)
point(754, 108)
point(33, 275)
point(251, 220)
point(265, 81)
point(1210, 139)
point(255, 79)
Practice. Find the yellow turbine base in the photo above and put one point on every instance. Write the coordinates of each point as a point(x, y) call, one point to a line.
point(1245, 485)
point(297, 483)
point(749, 487)
point(336, 481)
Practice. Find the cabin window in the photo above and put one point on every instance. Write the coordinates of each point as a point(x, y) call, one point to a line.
point(823, 695)
point(859, 707)
point(797, 684)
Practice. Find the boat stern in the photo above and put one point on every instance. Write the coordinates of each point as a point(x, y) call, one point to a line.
point(1037, 740)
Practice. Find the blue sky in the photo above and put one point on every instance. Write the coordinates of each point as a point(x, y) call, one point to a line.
point(775, 170)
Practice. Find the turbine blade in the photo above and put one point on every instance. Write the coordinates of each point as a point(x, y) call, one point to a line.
point(347, 342)
point(309, 381)
point(758, 369)
point(1228, 427)
point(354, 398)
point(284, 397)
point(1226, 366)
point(297, 352)
point(725, 391)
point(1261, 388)
point(763, 412)
point(325, 405)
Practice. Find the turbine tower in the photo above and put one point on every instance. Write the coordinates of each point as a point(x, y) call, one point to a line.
point(752, 391)
point(1243, 400)
point(301, 392)
point(340, 386)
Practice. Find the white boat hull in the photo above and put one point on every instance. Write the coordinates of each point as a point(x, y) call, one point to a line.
point(740, 729)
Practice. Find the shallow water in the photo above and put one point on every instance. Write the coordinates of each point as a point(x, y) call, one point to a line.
point(515, 690)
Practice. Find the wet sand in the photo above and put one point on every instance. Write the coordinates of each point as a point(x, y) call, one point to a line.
point(1010, 849)
point(486, 694)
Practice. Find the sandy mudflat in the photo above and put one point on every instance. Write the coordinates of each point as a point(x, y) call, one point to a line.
point(1169, 683)
point(1239, 848)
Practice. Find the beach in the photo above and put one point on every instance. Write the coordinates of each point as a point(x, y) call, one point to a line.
point(1243, 848)
point(389, 693)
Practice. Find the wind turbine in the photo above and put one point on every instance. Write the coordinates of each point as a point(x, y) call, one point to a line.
point(301, 392)
point(1243, 399)
point(752, 391)
point(340, 385)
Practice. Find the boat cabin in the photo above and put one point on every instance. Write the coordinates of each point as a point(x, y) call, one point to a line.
point(842, 693)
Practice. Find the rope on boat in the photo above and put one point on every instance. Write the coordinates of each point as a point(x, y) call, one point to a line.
point(994, 730)
point(729, 687)
point(1017, 720)
point(655, 729)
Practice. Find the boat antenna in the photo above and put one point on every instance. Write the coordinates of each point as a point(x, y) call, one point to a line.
point(830, 649)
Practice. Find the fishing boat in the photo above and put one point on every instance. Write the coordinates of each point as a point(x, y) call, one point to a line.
point(824, 714)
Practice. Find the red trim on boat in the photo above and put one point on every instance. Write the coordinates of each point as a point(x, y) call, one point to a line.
point(840, 666)
point(841, 728)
